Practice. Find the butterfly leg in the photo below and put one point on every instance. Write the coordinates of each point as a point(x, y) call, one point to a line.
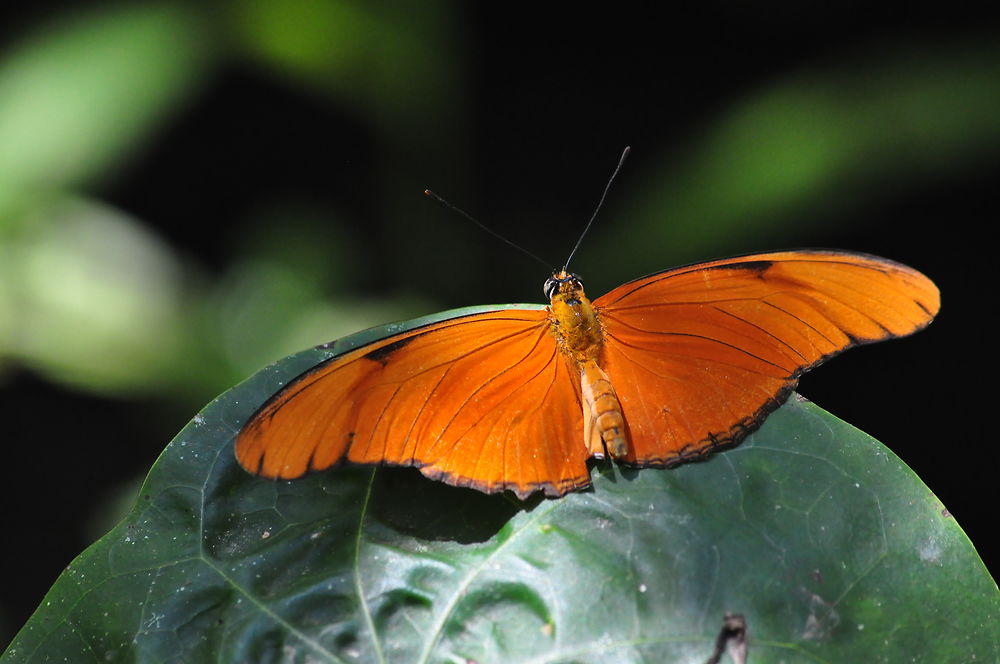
point(603, 424)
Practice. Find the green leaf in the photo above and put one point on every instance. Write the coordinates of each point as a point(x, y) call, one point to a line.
point(828, 545)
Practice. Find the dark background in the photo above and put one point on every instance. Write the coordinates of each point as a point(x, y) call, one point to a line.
point(279, 177)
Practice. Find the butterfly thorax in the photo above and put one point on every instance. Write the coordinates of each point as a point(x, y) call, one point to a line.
point(572, 318)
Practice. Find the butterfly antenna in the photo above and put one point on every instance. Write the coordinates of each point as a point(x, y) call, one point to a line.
point(486, 228)
point(599, 204)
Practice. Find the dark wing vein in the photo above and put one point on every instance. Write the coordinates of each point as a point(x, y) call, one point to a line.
point(645, 366)
point(768, 332)
point(480, 388)
point(665, 333)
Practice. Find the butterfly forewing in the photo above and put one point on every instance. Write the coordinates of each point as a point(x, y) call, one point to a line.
point(699, 355)
point(484, 400)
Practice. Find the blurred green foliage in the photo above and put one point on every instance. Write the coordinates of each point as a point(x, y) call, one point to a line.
point(80, 95)
point(91, 297)
point(816, 141)
point(79, 281)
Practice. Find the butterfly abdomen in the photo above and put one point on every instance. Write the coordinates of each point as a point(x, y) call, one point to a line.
point(603, 422)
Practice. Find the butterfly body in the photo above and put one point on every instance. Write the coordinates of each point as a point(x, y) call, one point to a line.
point(660, 370)
point(579, 336)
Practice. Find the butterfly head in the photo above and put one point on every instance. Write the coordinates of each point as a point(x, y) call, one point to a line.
point(563, 284)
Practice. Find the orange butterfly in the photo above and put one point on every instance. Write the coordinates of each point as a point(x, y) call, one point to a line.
point(661, 370)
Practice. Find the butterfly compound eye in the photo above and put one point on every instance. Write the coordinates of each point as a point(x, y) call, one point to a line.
point(550, 287)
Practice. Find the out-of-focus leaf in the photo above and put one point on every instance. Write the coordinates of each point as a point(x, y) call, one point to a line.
point(263, 310)
point(828, 545)
point(399, 67)
point(390, 59)
point(79, 94)
point(90, 298)
point(809, 145)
